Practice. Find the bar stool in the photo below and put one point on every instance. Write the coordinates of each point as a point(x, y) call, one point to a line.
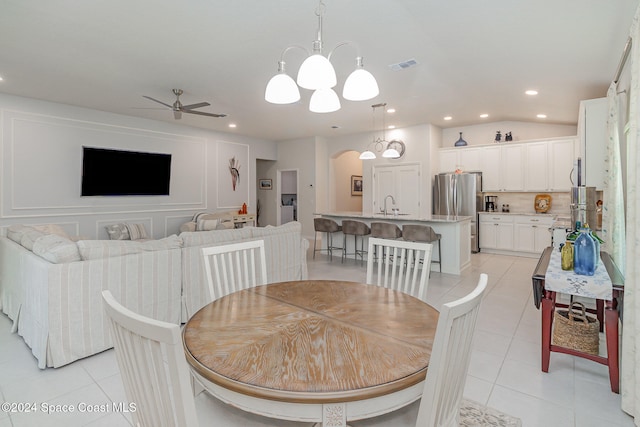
point(329, 226)
point(423, 233)
point(385, 230)
point(355, 229)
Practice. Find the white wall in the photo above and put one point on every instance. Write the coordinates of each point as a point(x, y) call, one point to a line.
point(41, 164)
point(521, 131)
point(344, 165)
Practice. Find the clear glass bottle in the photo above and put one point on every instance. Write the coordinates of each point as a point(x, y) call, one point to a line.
point(566, 256)
point(585, 254)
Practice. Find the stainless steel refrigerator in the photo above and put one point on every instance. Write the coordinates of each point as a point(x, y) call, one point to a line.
point(459, 194)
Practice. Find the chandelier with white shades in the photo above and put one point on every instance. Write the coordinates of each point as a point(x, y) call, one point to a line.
point(317, 74)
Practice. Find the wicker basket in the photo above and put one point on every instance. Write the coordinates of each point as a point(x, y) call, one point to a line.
point(575, 329)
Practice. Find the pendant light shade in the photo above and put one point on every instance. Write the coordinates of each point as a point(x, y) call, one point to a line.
point(391, 153)
point(316, 72)
point(324, 101)
point(281, 89)
point(360, 85)
point(367, 155)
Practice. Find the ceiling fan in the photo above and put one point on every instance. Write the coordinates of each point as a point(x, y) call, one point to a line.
point(178, 108)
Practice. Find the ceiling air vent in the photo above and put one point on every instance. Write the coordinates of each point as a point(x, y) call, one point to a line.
point(403, 65)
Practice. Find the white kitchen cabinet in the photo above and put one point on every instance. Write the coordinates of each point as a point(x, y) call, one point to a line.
point(467, 159)
point(496, 231)
point(536, 167)
point(512, 158)
point(490, 167)
point(548, 165)
point(593, 136)
point(561, 155)
point(532, 233)
point(448, 160)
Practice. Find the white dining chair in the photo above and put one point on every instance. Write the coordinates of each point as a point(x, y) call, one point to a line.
point(233, 267)
point(449, 363)
point(152, 366)
point(401, 265)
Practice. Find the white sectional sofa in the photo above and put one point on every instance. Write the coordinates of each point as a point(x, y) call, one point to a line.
point(51, 286)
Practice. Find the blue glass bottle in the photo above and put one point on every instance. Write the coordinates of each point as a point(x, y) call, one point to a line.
point(585, 254)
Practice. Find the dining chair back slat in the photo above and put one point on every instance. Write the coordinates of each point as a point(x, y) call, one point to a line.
point(449, 362)
point(153, 368)
point(233, 267)
point(400, 265)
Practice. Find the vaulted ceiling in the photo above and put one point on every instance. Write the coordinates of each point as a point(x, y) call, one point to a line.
point(472, 57)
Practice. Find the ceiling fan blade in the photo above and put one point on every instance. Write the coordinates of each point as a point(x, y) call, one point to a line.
point(203, 113)
point(198, 105)
point(177, 114)
point(155, 100)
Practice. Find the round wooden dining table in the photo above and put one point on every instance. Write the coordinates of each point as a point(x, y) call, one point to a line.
point(313, 350)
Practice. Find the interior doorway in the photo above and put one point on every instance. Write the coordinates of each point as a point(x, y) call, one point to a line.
point(287, 185)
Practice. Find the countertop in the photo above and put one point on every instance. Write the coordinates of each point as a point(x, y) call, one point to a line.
point(522, 213)
point(400, 217)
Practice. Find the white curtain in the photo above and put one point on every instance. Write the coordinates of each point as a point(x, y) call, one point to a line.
point(613, 227)
point(630, 359)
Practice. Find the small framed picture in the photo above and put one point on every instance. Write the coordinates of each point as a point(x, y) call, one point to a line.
point(356, 185)
point(264, 184)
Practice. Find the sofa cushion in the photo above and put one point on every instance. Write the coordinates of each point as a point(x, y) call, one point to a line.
point(214, 237)
point(29, 237)
point(118, 232)
point(289, 227)
point(56, 249)
point(51, 229)
point(16, 231)
point(97, 249)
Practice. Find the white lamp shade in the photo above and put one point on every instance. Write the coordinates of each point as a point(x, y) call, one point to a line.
point(360, 86)
point(391, 153)
point(367, 155)
point(282, 89)
point(316, 72)
point(324, 101)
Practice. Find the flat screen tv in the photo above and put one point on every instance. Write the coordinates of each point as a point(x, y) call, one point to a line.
point(107, 172)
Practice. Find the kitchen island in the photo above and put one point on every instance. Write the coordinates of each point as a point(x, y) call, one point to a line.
point(455, 232)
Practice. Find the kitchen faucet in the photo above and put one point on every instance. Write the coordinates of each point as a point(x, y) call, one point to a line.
point(385, 203)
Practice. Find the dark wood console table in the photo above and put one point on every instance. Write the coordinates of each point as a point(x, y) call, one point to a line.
point(608, 312)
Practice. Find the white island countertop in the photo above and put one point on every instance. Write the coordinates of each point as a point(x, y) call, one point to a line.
point(455, 232)
point(390, 217)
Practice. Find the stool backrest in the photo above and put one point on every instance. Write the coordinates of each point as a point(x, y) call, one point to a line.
point(325, 225)
point(419, 233)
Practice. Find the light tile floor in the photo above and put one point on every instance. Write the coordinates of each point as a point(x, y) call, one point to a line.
point(505, 366)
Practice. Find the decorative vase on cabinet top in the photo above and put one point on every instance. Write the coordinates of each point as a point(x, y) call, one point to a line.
point(585, 253)
point(460, 142)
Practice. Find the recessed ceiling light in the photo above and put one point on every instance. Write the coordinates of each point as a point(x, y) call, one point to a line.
point(391, 110)
point(541, 116)
point(448, 118)
point(531, 92)
point(391, 127)
point(1, 78)
point(232, 125)
point(484, 116)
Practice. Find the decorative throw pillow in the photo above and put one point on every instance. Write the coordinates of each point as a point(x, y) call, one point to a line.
point(51, 229)
point(137, 231)
point(118, 232)
point(30, 237)
point(207, 224)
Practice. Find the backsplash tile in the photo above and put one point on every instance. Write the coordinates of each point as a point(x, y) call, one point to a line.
point(524, 202)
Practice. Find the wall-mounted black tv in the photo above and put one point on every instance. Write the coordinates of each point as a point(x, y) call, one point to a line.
point(107, 172)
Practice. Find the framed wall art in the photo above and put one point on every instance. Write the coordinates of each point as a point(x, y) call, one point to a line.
point(356, 185)
point(264, 184)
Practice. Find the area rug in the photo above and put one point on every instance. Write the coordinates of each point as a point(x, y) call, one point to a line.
point(475, 414)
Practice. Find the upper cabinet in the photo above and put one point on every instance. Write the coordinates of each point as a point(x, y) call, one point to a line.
point(549, 164)
point(531, 166)
point(593, 135)
point(467, 159)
